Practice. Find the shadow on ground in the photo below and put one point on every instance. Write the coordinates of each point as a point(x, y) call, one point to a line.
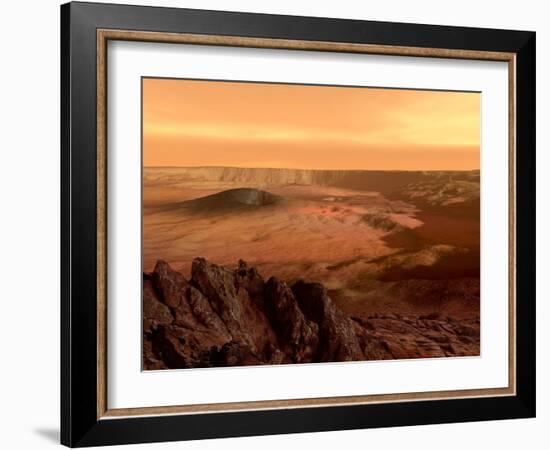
point(49, 434)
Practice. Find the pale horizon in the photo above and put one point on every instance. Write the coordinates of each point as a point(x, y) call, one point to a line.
point(306, 169)
point(193, 123)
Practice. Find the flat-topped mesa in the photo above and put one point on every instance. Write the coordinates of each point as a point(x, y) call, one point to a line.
point(249, 196)
point(222, 317)
point(231, 200)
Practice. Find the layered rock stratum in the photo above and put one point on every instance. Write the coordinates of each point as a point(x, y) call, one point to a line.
point(231, 317)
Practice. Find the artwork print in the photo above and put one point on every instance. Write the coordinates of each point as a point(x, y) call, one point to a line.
point(295, 223)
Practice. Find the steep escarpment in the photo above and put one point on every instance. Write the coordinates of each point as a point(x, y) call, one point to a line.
point(414, 183)
point(229, 317)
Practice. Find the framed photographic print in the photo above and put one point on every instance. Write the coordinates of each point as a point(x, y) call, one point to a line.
point(277, 224)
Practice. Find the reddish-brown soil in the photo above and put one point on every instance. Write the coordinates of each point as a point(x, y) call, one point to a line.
point(381, 243)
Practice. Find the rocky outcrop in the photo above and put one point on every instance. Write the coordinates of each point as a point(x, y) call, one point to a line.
point(222, 317)
point(244, 318)
point(403, 337)
point(337, 337)
point(154, 312)
point(298, 337)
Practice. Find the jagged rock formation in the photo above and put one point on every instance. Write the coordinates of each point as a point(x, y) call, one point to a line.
point(298, 336)
point(223, 317)
point(338, 340)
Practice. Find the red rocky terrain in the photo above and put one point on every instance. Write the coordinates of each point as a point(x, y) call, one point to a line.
point(222, 317)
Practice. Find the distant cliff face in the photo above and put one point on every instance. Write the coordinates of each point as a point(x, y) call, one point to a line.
point(382, 181)
point(268, 177)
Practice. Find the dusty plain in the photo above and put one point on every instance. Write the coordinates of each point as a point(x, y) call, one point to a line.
point(380, 241)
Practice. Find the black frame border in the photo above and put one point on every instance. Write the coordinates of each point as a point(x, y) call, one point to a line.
point(79, 423)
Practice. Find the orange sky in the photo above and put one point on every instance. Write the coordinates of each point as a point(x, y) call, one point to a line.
point(211, 123)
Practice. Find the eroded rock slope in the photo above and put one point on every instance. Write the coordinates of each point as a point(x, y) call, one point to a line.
point(223, 317)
